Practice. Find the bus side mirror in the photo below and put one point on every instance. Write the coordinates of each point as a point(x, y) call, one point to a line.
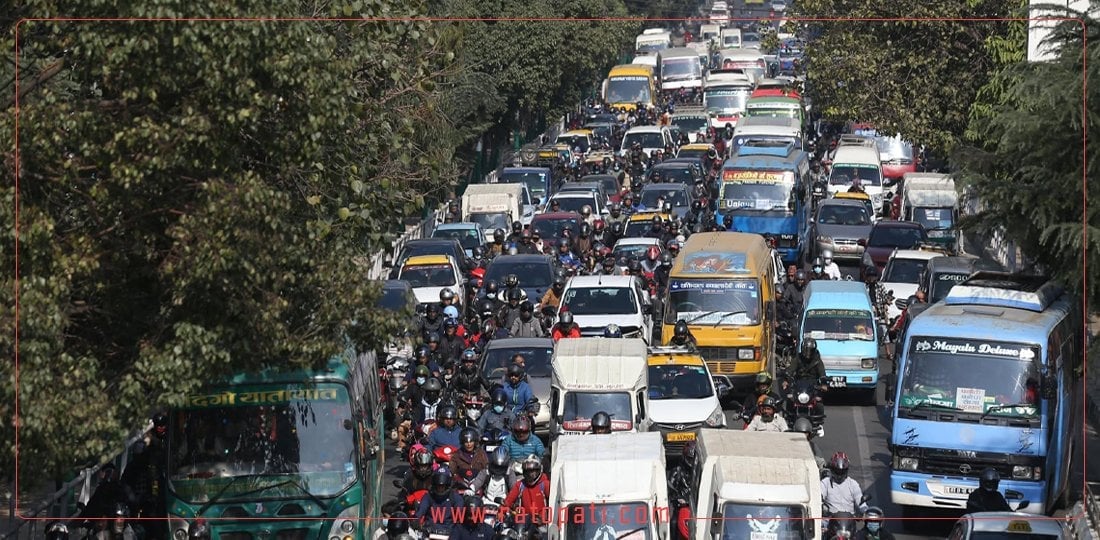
point(348, 424)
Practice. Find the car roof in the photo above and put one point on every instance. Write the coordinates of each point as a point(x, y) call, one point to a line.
point(588, 282)
point(665, 187)
point(459, 225)
point(890, 224)
point(420, 241)
point(674, 164)
point(636, 241)
point(645, 129)
point(428, 259)
point(547, 216)
point(521, 258)
point(573, 194)
point(517, 342)
point(580, 185)
point(914, 254)
point(841, 202)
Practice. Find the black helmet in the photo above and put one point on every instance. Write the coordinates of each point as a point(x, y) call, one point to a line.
point(500, 397)
point(473, 508)
point(559, 282)
point(696, 206)
point(441, 479)
point(433, 309)
point(499, 460)
point(432, 385)
point(601, 422)
point(634, 266)
point(681, 329)
point(617, 228)
point(803, 425)
point(526, 307)
point(515, 294)
point(839, 464)
point(768, 401)
point(586, 229)
point(498, 236)
point(433, 338)
point(608, 262)
point(800, 275)
point(491, 287)
point(478, 252)
point(515, 370)
point(666, 259)
point(611, 331)
point(873, 513)
point(566, 318)
point(511, 281)
point(532, 469)
point(446, 294)
point(468, 435)
point(423, 351)
point(448, 412)
point(990, 479)
point(564, 243)
point(397, 524)
point(809, 345)
point(517, 226)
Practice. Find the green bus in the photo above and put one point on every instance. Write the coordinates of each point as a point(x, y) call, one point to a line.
point(279, 455)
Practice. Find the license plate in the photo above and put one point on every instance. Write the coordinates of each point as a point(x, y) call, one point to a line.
point(838, 382)
point(681, 437)
point(845, 248)
point(955, 490)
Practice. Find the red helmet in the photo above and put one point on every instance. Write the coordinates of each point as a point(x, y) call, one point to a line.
point(652, 253)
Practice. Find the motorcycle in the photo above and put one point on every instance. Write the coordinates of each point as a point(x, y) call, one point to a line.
point(803, 400)
point(820, 191)
point(396, 370)
point(842, 525)
point(786, 346)
point(493, 438)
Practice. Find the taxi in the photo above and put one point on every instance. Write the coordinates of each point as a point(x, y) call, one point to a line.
point(640, 223)
point(430, 275)
point(683, 396)
point(547, 156)
point(581, 139)
point(862, 197)
point(697, 150)
point(1008, 525)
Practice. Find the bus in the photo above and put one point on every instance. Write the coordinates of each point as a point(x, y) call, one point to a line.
point(764, 191)
point(776, 103)
point(681, 69)
point(988, 377)
point(723, 286)
point(628, 84)
point(280, 454)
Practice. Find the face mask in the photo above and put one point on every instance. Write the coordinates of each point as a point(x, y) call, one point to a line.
point(420, 380)
point(817, 269)
point(385, 523)
point(498, 408)
point(874, 526)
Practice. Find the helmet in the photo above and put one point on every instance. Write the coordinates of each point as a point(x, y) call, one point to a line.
point(599, 226)
point(566, 318)
point(612, 331)
point(446, 294)
point(526, 307)
point(500, 397)
point(499, 459)
point(666, 259)
point(681, 329)
point(469, 355)
point(521, 424)
point(468, 435)
point(397, 524)
point(827, 254)
point(586, 210)
point(498, 235)
point(515, 294)
point(586, 229)
point(441, 480)
point(57, 531)
point(601, 422)
point(817, 262)
point(803, 425)
point(657, 220)
point(423, 351)
point(768, 401)
point(516, 226)
point(491, 287)
point(432, 385)
point(433, 309)
point(450, 323)
point(422, 458)
point(634, 266)
point(526, 234)
point(433, 338)
point(608, 262)
point(422, 371)
point(532, 469)
point(652, 253)
point(839, 466)
point(809, 345)
point(696, 206)
point(478, 252)
point(873, 513)
point(511, 281)
point(989, 480)
point(615, 208)
point(450, 312)
point(800, 275)
point(515, 370)
point(448, 412)
point(763, 378)
point(564, 243)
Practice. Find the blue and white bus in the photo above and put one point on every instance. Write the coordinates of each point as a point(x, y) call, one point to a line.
point(988, 378)
point(764, 192)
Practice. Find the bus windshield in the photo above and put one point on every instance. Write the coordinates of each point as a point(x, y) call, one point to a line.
point(718, 101)
point(741, 197)
point(618, 521)
point(843, 174)
point(998, 378)
point(740, 521)
point(628, 89)
point(714, 302)
point(271, 440)
point(934, 219)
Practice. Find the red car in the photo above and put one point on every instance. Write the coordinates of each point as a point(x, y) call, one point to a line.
point(885, 237)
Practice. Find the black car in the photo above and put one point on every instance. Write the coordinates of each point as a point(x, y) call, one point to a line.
point(678, 172)
point(536, 272)
point(428, 246)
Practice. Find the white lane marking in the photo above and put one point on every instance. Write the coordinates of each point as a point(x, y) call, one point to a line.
point(866, 478)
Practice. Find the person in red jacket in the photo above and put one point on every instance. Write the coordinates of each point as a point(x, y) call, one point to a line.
point(532, 494)
point(683, 519)
point(565, 328)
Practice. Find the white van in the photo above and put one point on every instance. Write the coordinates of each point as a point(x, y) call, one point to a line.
point(681, 68)
point(710, 33)
point(652, 40)
point(755, 485)
point(853, 160)
point(590, 375)
point(731, 38)
point(597, 301)
point(767, 128)
point(615, 483)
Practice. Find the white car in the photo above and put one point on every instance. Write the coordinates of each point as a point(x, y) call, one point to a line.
point(429, 275)
point(682, 396)
point(651, 138)
point(598, 301)
point(1008, 525)
point(902, 275)
point(573, 201)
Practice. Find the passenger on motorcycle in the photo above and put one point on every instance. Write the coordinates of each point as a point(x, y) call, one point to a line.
point(511, 282)
point(419, 476)
point(791, 302)
point(494, 483)
point(652, 260)
point(429, 402)
point(609, 267)
point(839, 493)
point(566, 258)
point(424, 358)
point(451, 344)
point(517, 390)
point(470, 459)
point(766, 420)
point(497, 247)
point(764, 388)
point(987, 498)
point(872, 526)
point(681, 336)
point(516, 234)
point(522, 443)
point(831, 268)
point(499, 415)
point(553, 294)
point(447, 431)
point(601, 423)
point(527, 325)
point(437, 511)
point(446, 299)
point(565, 328)
point(531, 493)
point(817, 270)
point(473, 525)
point(468, 380)
point(431, 322)
point(510, 312)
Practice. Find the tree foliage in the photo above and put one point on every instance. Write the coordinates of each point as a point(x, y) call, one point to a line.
point(1028, 165)
point(193, 197)
point(914, 77)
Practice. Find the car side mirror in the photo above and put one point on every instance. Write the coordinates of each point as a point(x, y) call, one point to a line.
point(862, 242)
point(1023, 504)
point(387, 263)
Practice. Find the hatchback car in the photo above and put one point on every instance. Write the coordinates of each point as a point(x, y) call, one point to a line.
point(427, 246)
point(537, 354)
point(885, 237)
point(536, 273)
point(840, 225)
point(574, 201)
point(682, 397)
point(677, 195)
point(598, 301)
point(902, 275)
point(429, 275)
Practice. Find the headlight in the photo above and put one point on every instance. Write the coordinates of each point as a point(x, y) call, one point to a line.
point(343, 527)
point(867, 363)
point(1024, 472)
point(908, 463)
point(803, 398)
point(746, 354)
point(199, 530)
point(716, 418)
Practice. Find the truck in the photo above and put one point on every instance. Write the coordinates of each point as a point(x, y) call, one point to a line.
point(609, 486)
point(591, 375)
point(493, 206)
point(931, 200)
point(758, 485)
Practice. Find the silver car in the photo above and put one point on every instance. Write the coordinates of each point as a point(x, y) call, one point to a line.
point(839, 225)
point(537, 354)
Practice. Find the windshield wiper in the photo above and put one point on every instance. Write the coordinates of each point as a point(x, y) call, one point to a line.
point(628, 533)
point(998, 408)
point(217, 497)
point(703, 316)
point(730, 314)
point(928, 404)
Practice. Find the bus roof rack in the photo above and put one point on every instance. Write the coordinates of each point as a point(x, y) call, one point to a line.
point(1001, 289)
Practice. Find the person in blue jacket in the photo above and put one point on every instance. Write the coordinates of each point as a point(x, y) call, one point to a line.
point(522, 443)
point(518, 391)
point(447, 432)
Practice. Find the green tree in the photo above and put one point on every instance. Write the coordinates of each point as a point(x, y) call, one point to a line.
point(1027, 164)
point(194, 196)
point(914, 77)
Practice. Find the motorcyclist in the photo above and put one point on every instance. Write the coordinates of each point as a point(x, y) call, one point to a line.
point(817, 270)
point(447, 432)
point(446, 299)
point(517, 389)
point(451, 344)
point(473, 526)
point(511, 282)
point(792, 299)
point(510, 312)
point(443, 500)
point(429, 404)
point(499, 415)
point(496, 248)
point(765, 419)
point(652, 260)
point(987, 498)
point(516, 234)
point(527, 244)
point(612, 331)
point(872, 526)
point(522, 443)
point(435, 352)
point(601, 423)
point(839, 493)
point(831, 268)
point(552, 297)
point(494, 483)
point(681, 336)
point(809, 364)
point(470, 459)
point(527, 325)
point(660, 275)
point(423, 358)
point(608, 267)
point(764, 387)
point(419, 476)
point(468, 380)
point(565, 327)
point(532, 493)
point(565, 255)
point(431, 322)
point(615, 215)
point(615, 232)
point(117, 528)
